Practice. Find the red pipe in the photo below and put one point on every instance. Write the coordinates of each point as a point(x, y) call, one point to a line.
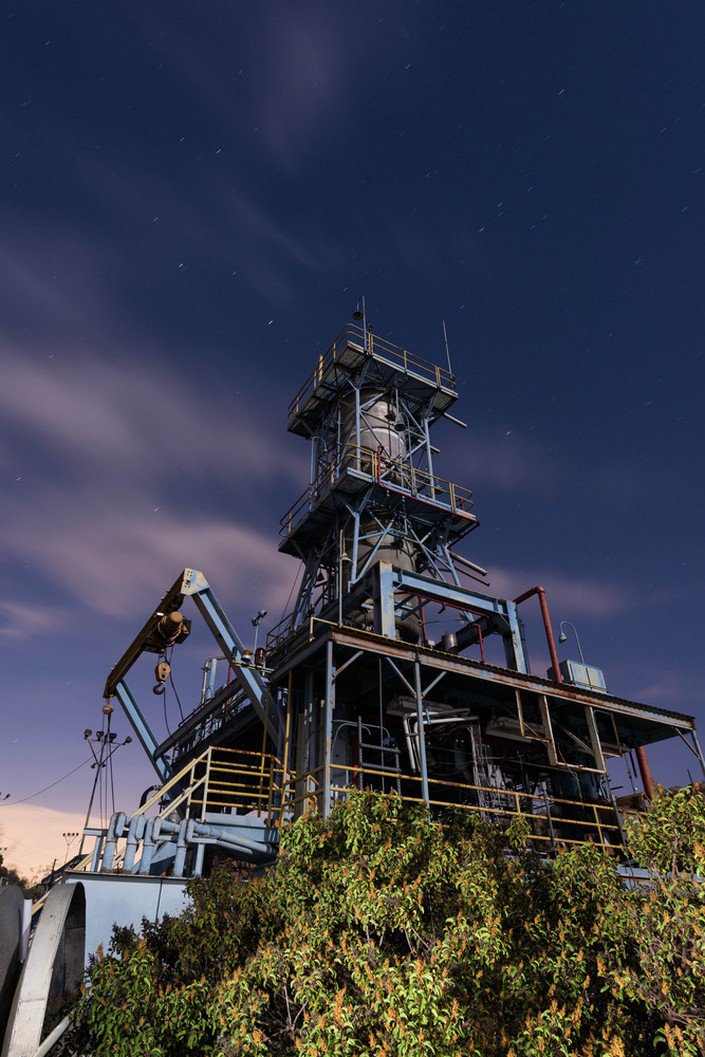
point(646, 778)
point(557, 677)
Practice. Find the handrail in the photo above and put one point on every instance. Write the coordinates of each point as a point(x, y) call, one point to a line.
point(600, 825)
point(396, 475)
point(239, 790)
point(218, 792)
point(370, 344)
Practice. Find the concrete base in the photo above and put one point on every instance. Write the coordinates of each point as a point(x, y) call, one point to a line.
point(124, 899)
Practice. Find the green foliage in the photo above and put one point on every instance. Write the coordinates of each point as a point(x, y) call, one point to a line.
point(672, 835)
point(382, 931)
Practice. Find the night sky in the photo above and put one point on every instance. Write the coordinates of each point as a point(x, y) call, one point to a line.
point(193, 198)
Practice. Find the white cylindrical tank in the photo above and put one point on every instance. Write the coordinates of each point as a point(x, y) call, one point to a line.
point(379, 426)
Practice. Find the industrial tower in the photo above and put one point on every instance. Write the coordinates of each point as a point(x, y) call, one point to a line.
point(392, 671)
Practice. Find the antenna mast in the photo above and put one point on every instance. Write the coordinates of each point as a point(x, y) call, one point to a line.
point(445, 339)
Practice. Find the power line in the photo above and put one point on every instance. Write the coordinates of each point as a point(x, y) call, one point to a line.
point(46, 787)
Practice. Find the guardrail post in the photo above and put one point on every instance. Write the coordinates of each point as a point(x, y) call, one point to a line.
point(549, 818)
point(597, 823)
point(206, 780)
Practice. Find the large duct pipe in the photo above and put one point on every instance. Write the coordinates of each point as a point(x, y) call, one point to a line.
point(557, 677)
point(647, 780)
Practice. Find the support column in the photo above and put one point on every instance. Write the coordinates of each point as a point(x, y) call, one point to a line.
point(514, 646)
point(697, 750)
point(384, 607)
point(421, 732)
point(327, 740)
point(143, 731)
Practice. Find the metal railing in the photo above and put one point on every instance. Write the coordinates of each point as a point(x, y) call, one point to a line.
point(216, 780)
point(553, 820)
point(222, 778)
point(371, 345)
point(395, 475)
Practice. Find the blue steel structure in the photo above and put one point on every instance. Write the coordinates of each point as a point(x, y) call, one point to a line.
point(352, 690)
point(370, 699)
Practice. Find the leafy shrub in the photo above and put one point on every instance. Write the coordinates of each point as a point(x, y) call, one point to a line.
point(382, 931)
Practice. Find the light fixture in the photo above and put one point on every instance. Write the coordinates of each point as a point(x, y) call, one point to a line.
point(562, 637)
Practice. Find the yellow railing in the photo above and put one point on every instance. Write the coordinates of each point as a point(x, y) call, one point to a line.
point(396, 475)
point(239, 779)
point(217, 779)
point(553, 820)
point(371, 345)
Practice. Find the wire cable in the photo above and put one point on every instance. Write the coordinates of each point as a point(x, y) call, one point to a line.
point(46, 787)
point(293, 588)
point(112, 778)
point(166, 720)
point(173, 686)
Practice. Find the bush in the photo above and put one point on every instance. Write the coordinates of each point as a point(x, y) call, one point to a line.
point(382, 931)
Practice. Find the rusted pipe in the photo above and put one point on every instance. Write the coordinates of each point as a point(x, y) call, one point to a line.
point(646, 778)
point(558, 678)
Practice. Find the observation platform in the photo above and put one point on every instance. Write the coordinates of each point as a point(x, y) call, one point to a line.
point(528, 707)
point(429, 499)
point(350, 356)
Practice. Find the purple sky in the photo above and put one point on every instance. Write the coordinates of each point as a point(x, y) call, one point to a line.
point(192, 200)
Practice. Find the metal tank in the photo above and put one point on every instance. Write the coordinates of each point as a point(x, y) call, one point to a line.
point(382, 430)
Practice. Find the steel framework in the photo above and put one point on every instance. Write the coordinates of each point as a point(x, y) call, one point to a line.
point(353, 690)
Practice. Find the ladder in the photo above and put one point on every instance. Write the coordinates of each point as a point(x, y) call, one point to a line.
point(384, 749)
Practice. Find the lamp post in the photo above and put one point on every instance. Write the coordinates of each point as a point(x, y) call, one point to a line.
point(564, 638)
point(256, 621)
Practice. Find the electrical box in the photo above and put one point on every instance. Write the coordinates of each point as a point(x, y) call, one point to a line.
point(585, 675)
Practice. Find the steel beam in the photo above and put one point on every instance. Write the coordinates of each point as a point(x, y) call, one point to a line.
point(384, 607)
point(504, 677)
point(440, 591)
point(231, 645)
point(172, 600)
point(142, 729)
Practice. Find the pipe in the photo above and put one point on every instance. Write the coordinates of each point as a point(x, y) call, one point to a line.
point(135, 833)
point(647, 780)
point(327, 740)
point(470, 565)
point(52, 1039)
point(421, 736)
point(116, 828)
point(557, 677)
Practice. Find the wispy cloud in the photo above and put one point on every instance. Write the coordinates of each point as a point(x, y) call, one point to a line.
point(122, 473)
point(19, 621)
point(118, 556)
point(308, 71)
point(130, 417)
point(576, 595)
